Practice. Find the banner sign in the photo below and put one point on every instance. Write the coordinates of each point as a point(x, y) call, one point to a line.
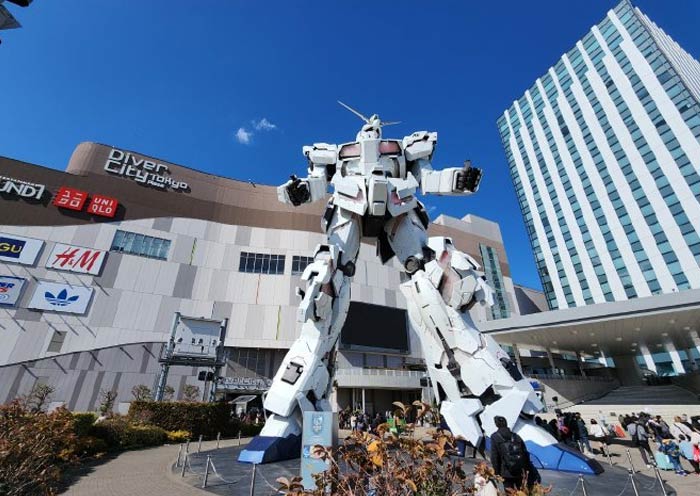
point(142, 171)
point(318, 429)
point(18, 249)
point(10, 289)
point(245, 383)
point(60, 297)
point(76, 259)
point(20, 188)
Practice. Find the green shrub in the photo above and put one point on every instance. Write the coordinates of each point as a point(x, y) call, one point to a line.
point(118, 434)
point(250, 430)
point(83, 422)
point(90, 447)
point(206, 419)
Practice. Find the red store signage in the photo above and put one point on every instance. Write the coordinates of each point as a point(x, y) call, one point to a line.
point(72, 199)
point(103, 206)
point(75, 199)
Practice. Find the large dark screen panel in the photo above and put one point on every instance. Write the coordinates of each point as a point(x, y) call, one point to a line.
point(375, 327)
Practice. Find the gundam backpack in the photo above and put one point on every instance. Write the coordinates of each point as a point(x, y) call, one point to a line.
point(663, 461)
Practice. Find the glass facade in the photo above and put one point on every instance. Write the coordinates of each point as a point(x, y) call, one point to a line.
point(492, 271)
point(604, 154)
point(141, 245)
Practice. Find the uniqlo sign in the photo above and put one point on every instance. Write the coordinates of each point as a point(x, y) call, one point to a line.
point(103, 206)
point(72, 199)
point(76, 259)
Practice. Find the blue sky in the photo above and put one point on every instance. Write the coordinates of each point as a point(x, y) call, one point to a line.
point(177, 80)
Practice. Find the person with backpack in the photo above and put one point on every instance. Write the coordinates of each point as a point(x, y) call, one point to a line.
point(510, 458)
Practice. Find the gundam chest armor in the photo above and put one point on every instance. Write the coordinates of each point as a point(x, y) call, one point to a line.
point(375, 185)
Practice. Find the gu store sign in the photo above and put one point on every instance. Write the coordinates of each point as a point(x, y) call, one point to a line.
point(18, 249)
point(60, 297)
point(142, 171)
point(76, 259)
point(10, 290)
point(22, 189)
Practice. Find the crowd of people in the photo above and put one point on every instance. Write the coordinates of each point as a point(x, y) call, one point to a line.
point(674, 443)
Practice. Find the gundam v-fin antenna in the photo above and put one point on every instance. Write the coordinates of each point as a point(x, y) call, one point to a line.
point(367, 121)
point(355, 112)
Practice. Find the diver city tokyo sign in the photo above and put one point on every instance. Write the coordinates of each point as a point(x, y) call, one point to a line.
point(76, 259)
point(18, 249)
point(10, 290)
point(60, 297)
point(146, 172)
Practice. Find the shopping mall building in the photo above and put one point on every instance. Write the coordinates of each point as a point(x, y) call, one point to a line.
point(97, 263)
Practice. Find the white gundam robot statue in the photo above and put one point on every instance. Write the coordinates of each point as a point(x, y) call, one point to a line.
point(376, 182)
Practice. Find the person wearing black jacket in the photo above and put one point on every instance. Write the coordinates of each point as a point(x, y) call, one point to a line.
point(510, 458)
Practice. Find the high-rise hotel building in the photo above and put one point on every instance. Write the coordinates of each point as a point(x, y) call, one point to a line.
point(604, 153)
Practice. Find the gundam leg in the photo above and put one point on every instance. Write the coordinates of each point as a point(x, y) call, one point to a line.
point(303, 382)
point(473, 378)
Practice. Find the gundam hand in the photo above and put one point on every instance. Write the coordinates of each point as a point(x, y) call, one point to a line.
point(297, 191)
point(468, 178)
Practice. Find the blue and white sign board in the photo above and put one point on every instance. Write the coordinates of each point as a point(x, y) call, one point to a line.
point(59, 297)
point(10, 290)
point(18, 249)
point(319, 428)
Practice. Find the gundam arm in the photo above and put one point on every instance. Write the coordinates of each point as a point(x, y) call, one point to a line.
point(322, 160)
point(451, 181)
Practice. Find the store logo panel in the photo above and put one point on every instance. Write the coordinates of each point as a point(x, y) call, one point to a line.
point(60, 297)
point(10, 290)
point(103, 206)
point(76, 259)
point(70, 198)
point(19, 249)
point(22, 189)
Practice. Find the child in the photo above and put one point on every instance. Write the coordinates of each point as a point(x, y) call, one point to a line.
point(670, 449)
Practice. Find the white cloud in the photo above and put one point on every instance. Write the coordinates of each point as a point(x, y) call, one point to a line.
point(243, 136)
point(263, 125)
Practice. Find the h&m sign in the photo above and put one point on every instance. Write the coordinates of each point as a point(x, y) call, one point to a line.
point(142, 171)
point(76, 259)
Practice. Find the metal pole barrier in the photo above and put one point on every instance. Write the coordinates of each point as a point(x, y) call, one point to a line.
point(629, 457)
point(199, 445)
point(583, 484)
point(184, 465)
point(634, 484)
point(206, 472)
point(179, 454)
point(218, 438)
point(252, 481)
point(661, 481)
point(239, 437)
point(187, 448)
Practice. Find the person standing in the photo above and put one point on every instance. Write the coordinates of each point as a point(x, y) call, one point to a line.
point(671, 449)
point(690, 452)
point(582, 435)
point(600, 434)
point(640, 437)
point(510, 458)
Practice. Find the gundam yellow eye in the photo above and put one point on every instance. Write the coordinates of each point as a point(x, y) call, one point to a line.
point(389, 148)
point(349, 151)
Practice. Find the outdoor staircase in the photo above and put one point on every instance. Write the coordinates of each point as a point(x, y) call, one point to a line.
point(667, 401)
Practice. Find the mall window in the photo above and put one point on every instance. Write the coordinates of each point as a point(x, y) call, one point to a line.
point(56, 342)
point(141, 245)
point(261, 263)
point(494, 276)
point(299, 263)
